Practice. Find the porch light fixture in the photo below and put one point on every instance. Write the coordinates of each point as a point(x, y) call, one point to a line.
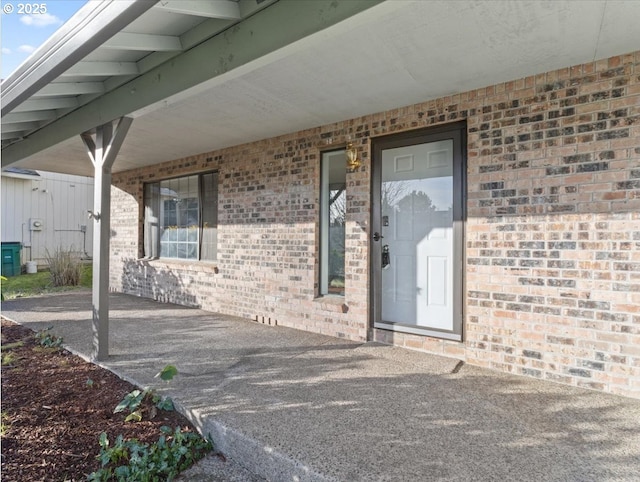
point(352, 157)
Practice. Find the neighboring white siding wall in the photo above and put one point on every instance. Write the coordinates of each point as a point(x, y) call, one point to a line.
point(61, 201)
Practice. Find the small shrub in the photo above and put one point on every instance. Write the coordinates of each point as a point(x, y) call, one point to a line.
point(65, 267)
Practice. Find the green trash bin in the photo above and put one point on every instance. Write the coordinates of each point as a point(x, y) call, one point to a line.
point(11, 264)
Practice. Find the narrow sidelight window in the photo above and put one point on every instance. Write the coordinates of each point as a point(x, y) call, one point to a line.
point(332, 222)
point(181, 217)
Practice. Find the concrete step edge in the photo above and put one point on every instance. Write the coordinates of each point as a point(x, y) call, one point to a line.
point(251, 454)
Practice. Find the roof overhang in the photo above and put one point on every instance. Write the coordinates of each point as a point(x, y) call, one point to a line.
point(282, 66)
point(18, 173)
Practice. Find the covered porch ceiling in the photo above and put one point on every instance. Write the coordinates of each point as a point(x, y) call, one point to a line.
point(197, 76)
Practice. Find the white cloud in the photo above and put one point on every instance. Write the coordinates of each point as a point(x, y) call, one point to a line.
point(40, 20)
point(27, 49)
point(6, 51)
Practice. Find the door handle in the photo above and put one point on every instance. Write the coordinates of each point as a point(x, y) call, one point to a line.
point(386, 257)
point(377, 236)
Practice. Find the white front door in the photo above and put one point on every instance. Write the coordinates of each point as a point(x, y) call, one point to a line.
point(416, 239)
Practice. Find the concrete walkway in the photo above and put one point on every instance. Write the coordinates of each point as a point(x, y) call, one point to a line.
point(287, 405)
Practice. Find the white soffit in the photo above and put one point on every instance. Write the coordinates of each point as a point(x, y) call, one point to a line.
point(394, 54)
point(234, 33)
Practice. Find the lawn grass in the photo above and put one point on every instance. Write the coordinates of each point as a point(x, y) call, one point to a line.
point(39, 283)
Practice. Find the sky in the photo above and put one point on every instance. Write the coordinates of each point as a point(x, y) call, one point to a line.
point(25, 25)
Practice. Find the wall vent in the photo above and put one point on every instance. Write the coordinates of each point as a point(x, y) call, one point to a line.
point(266, 320)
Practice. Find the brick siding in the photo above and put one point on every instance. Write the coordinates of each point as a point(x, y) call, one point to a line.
point(552, 286)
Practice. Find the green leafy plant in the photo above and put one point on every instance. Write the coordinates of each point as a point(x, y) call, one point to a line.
point(47, 339)
point(167, 373)
point(163, 403)
point(132, 461)
point(133, 401)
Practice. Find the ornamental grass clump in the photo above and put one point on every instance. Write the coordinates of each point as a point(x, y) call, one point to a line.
point(65, 267)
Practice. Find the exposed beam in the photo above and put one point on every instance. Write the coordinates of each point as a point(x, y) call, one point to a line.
point(102, 69)
point(7, 136)
point(190, 38)
point(249, 7)
point(251, 39)
point(36, 115)
point(202, 8)
point(70, 88)
point(46, 104)
point(143, 42)
point(20, 127)
point(203, 31)
point(68, 45)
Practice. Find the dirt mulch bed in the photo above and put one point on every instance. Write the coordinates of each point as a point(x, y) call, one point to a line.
point(54, 407)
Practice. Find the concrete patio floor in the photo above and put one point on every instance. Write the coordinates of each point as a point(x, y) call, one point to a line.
point(286, 405)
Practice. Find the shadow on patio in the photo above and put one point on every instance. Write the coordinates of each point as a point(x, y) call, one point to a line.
point(287, 403)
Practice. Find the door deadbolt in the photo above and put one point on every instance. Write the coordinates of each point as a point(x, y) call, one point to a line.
point(377, 236)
